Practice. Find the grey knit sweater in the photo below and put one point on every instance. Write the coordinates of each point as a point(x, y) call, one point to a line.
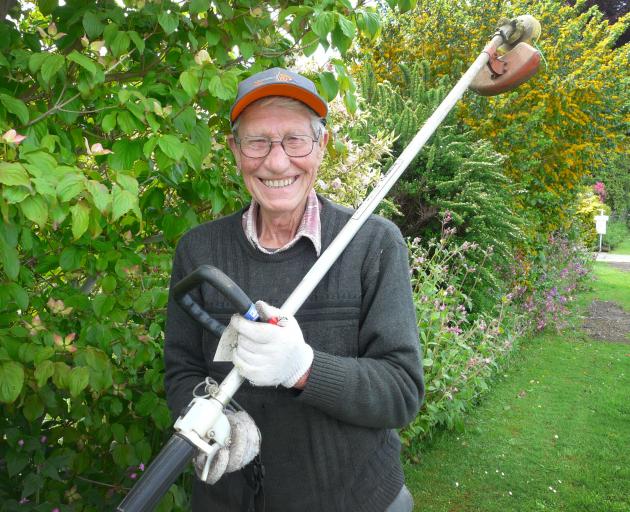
point(331, 447)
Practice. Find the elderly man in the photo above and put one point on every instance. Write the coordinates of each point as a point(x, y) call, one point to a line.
point(327, 388)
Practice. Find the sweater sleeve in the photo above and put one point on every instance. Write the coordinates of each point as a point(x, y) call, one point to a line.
point(183, 361)
point(383, 387)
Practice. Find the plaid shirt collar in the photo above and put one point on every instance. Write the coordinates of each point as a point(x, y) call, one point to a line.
point(310, 227)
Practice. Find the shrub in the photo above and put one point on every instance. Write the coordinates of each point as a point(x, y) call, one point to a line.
point(616, 232)
point(108, 117)
point(460, 354)
point(455, 171)
point(547, 280)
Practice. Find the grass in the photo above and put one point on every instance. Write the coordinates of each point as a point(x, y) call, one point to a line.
point(608, 284)
point(552, 435)
point(622, 248)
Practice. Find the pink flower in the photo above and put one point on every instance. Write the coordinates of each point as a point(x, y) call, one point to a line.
point(96, 149)
point(13, 137)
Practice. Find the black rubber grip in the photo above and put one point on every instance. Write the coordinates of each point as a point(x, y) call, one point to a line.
point(228, 288)
point(159, 476)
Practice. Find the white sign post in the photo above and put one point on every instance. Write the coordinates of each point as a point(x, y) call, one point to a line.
point(600, 226)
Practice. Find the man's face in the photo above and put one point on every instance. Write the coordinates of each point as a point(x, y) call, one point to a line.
point(278, 182)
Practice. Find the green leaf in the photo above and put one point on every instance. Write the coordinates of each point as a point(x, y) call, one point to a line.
point(70, 186)
point(70, 258)
point(100, 195)
point(324, 23)
point(47, 7)
point(126, 122)
point(51, 65)
point(190, 82)
point(15, 106)
point(347, 27)
point(109, 283)
point(310, 42)
point(43, 372)
point(146, 403)
point(224, 86)
point(172, 147)
point(199, 6)
point(122, 202)
point(168, 22)
point(35, 209)
point(92, 25)
point(103, 304)
point(127, 182)
point(137, 40)
point(36, 60)
point(78, 380)
point(120, 44)
point(109, 122)
point(16, 462)
point(340, 40)
point(33, 407)
point(80, 219)
point(330, 87)
point(31, 484)
point(11, 381)
point(13, 173)
point(83, 61)
point(10, 259)
point(368, 23)
point(15, 195)
point(20, 295)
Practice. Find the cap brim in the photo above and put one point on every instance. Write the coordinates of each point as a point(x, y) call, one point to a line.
point(287, 90)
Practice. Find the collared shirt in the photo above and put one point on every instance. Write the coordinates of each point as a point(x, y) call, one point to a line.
point(310, 226)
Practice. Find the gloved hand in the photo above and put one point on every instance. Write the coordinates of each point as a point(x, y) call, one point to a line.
point(267, 354)
point(244, 445)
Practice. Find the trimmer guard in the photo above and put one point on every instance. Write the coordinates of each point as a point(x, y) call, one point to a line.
point(519, 64)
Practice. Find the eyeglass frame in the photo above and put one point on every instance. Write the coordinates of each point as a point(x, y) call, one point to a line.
point(271, 142)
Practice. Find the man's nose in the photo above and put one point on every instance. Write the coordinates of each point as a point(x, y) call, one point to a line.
point(277, 159)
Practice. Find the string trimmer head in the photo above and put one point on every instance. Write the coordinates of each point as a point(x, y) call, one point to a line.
point(519, 61)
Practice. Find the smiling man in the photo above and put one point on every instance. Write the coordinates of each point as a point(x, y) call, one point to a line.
point(328, 387)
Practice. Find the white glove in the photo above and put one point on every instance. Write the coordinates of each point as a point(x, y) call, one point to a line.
point(243, 446)
point(267, 354)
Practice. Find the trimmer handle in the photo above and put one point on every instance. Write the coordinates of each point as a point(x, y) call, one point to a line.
point(228, 288)
point(159, 476)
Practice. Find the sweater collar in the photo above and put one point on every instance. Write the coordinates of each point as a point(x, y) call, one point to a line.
point(310, 227)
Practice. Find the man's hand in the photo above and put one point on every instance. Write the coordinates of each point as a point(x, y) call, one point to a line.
point(268, 354)
point(243, 447)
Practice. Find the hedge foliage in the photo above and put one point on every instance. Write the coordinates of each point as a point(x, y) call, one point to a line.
point(111, 117)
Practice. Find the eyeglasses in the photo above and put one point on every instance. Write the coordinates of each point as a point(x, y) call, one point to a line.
point(295, 146)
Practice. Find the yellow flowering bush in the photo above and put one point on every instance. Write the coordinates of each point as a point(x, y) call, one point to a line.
point(566, 121)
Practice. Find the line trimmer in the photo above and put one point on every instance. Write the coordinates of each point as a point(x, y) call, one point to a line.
point(203, 424)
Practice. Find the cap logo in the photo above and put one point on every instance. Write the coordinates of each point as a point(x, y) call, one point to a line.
point(283, 77)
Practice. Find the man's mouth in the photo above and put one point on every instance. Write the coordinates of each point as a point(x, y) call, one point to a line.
point(279, 183)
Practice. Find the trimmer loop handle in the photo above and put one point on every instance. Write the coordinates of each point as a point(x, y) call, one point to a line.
point(222, 283)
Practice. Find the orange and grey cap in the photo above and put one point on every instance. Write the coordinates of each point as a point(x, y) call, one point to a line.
point(278, 82)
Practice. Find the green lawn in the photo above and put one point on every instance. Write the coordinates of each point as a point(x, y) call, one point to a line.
point(608, 283)
point(553, 434)
point(622, 248)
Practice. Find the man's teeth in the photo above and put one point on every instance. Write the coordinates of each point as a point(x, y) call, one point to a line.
point(278, 183)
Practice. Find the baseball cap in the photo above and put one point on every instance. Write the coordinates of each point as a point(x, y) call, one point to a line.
point(277, 82)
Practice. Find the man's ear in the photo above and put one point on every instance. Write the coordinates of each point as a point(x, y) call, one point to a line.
point(324, 138)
